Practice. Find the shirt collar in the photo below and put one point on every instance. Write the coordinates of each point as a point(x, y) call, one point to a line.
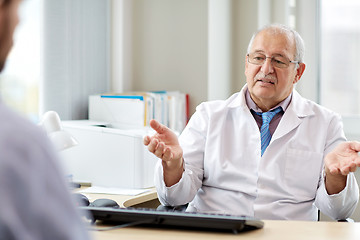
point(252, 105)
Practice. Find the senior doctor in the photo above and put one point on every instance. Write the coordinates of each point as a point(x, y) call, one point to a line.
point(225, 162)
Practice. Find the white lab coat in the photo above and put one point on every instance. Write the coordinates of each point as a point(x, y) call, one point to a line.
point(225, 173)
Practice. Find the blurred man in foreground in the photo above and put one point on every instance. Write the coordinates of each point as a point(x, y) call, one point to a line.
point(35, 203)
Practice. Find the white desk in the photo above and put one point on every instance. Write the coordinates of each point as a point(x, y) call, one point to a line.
point(273, 230)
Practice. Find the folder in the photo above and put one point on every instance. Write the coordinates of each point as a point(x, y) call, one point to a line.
point(136, 109)
point(120, 111)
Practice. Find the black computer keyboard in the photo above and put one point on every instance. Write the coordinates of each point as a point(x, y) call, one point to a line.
point(152, 217)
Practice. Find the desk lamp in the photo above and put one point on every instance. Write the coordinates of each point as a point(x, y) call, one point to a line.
point(61, 139)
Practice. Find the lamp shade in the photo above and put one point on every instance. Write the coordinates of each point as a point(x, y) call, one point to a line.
point(51, 123)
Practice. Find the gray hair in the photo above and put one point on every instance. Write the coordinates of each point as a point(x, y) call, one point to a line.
point(299, 42)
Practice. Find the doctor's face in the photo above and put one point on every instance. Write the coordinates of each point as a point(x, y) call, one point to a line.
point(269, 85)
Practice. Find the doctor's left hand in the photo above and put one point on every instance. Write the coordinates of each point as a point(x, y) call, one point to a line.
point(339, 163)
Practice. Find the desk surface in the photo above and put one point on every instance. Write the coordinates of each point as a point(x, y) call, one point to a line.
point(273, 230)
point(124, 200)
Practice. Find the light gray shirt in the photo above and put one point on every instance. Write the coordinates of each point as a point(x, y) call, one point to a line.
point(35, 203)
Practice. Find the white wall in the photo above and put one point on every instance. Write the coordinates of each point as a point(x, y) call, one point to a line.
point(168, 47)
point(245, 23)
point(220, 44)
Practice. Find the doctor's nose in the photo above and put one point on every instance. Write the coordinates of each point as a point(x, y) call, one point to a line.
point(267, 66)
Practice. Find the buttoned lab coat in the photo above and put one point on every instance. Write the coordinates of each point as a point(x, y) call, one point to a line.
point(225, 173)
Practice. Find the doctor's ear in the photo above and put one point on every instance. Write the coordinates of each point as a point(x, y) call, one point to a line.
point(246, 63)
point(299, 72)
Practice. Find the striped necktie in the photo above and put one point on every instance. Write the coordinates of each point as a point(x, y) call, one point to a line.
point(264, 131)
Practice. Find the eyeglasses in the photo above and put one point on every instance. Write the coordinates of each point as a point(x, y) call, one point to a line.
point(276, 61)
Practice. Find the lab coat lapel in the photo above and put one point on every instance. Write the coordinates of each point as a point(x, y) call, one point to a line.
point(296, 112)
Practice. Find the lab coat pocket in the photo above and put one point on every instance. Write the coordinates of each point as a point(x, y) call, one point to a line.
point(302, 173)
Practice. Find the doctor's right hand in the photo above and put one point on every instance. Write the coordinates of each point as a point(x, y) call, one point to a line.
point(165, 145)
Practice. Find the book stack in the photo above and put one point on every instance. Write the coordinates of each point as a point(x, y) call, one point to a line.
point(136, 109)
